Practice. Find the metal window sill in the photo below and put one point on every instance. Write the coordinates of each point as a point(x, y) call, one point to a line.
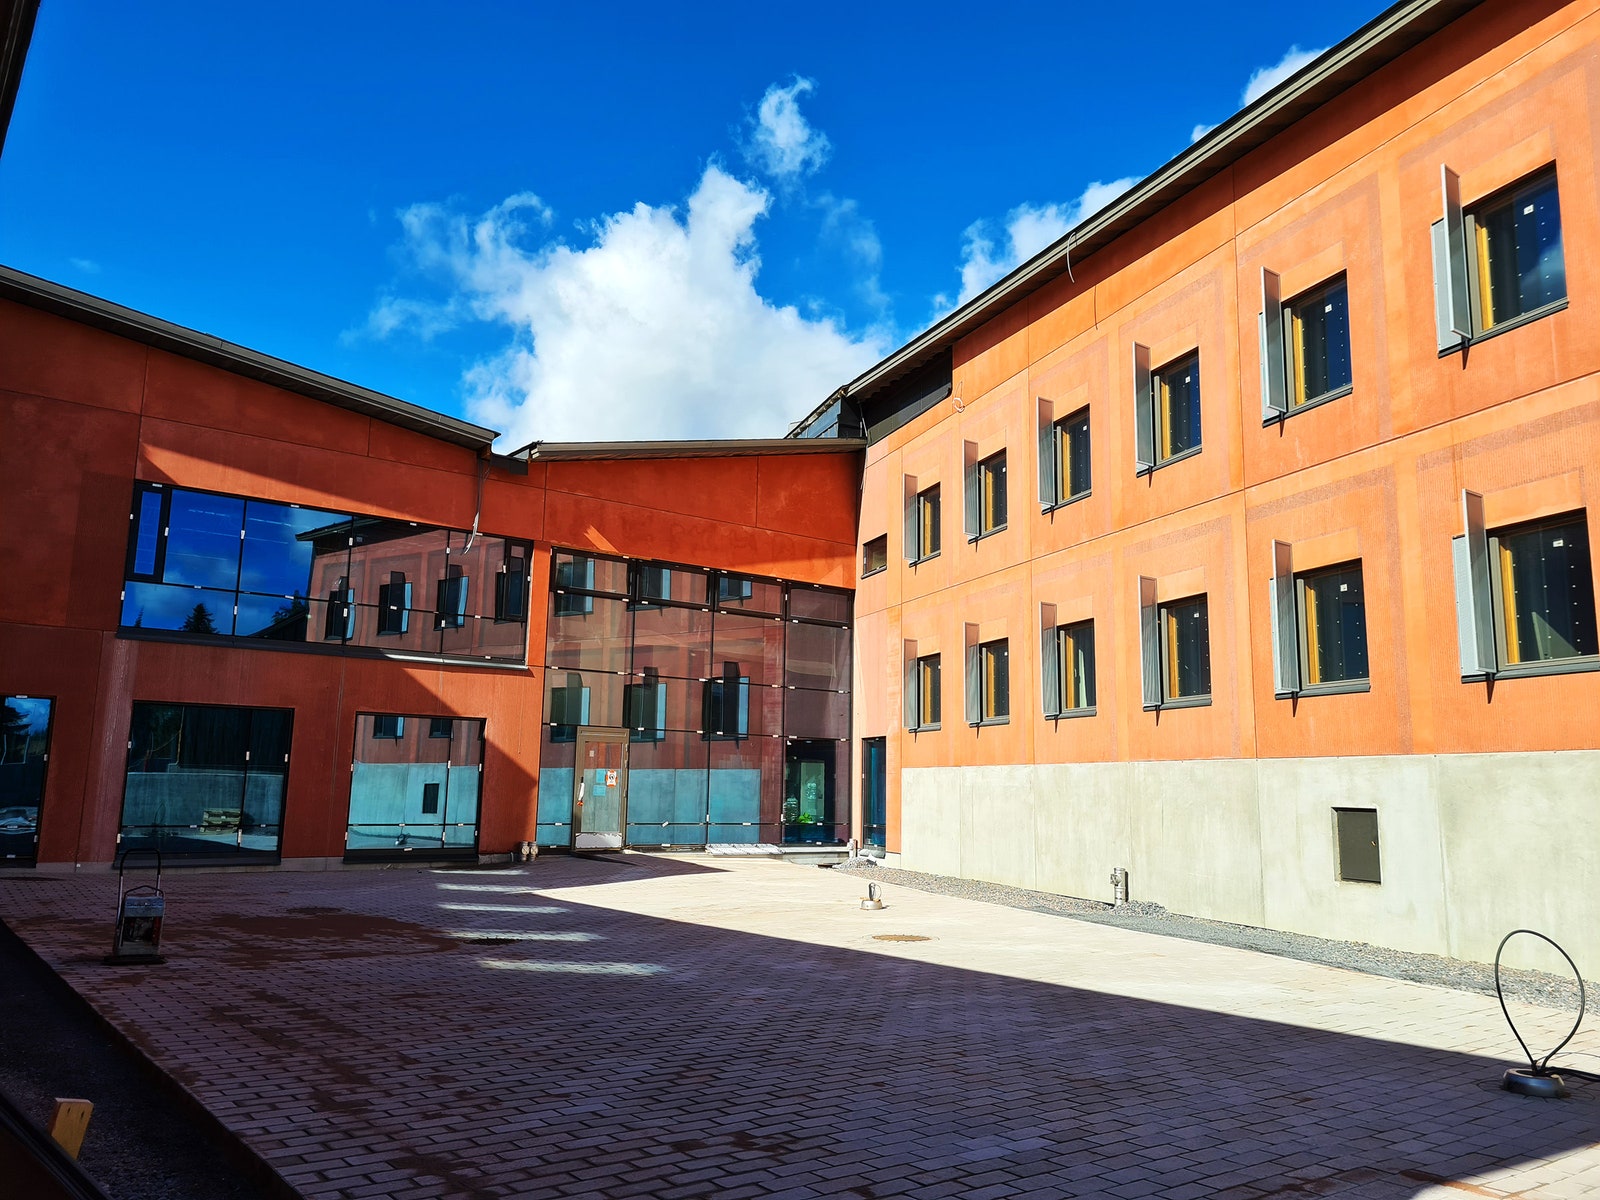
point(1527, 318)
point(1342, 688)
point(1072, 713)
point(1184, 702)
point(1314, 402)
point(974, 539)
point(1551, 666)
point(1060, 504)
point(874, 571)
point(987, 721)
point(1167, 462)
point(917, 562)
point(924, 729)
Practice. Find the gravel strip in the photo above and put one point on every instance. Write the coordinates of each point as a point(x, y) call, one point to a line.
point(1535, 987)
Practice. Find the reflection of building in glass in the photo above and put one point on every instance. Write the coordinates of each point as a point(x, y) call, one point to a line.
point(733, 690)
point(414, 784)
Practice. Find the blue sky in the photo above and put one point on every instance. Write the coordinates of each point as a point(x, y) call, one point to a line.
point(626, 221)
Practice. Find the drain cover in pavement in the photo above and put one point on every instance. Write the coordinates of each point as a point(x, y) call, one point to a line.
point(900, 937)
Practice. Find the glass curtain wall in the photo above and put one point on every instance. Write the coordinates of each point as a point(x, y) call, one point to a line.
point(24, 752)
point(734, 691)
point(210, 565)
point(206, 782)
point(414, 786)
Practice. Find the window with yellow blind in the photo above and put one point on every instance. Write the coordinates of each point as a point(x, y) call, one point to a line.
point(1333, 625)
point(1068, 670)
point(1544, 592)
point(1317, 326)
point(1176, 392)
point(1185, 650)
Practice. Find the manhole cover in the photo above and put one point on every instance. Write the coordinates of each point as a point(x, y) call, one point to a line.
point(900, 937)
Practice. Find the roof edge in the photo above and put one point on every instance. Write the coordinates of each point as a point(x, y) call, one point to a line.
point(152, 331)
point(704, 448)
point(1228, 142)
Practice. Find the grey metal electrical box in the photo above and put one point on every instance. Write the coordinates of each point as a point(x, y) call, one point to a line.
point(1356, 831)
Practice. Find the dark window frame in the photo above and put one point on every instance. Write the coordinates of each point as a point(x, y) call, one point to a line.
point(928, 500)
point(993, 501)
point(1293, 355)
point(1170, 698)
point(994, 682)
point(930, 697)
point(1304, 631)
point(1498, 553)
point(1062, 440)
point(881, 543)
point(1161, 412)
point(1480, 259)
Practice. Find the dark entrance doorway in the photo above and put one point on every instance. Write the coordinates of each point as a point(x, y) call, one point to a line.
point(808, 792)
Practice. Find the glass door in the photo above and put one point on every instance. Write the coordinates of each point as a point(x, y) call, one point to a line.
point(24, 751)
point(600, 789)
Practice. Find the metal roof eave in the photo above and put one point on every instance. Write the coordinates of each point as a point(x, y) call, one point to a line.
point(1376, 44)
point(238, 360)
point(707, 448)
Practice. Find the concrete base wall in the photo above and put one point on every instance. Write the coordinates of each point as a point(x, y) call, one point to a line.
point(1472, 846)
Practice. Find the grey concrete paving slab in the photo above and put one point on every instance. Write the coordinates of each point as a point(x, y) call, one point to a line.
point(683, 1027)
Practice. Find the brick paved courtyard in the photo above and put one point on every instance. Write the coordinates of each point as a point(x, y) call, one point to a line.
point(684, 1027)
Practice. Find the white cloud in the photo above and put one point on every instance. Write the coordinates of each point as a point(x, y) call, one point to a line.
point(87, 265)
point(1199, 131)
point(843, 225)
point(988, 256)
point(653, 329)
point(782, 142)
point(1264, 79)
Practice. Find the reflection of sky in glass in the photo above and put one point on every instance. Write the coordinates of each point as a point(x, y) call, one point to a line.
point(154, 606)
point(149, 533)
point(275, 560)
point(35, 712)
point(203, 540)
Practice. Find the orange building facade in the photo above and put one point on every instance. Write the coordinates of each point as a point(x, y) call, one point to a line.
point(1236, 546)
point(1241, 433)
point(255, 615)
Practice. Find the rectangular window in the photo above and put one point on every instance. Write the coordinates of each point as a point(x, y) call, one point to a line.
point(645, 704)
point(340, 623)
point(991, 490)
point(450, 605)
point(511, 588)
point(1333, 625)
point(875, 555)
point(206, 782)
point(727, 705)
point(1355, 832)
point(926, 699)
point(224, 566)
point(1317, 326)
point(394, 604)
point(1520, 265)
point(1176, 394)
point(1500, 261)
point(417, 797)
point(1069, 443)
point(649, 584)
point(573, 573)
point(926, 523)
point(1544, 591)
point(994, 681)
point(731, 589)
point(1175, 648)
point(1072, 649)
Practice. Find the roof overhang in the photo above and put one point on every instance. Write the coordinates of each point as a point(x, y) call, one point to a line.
point(719, 448)
point(16, 31)
point(238, 360)
point(1374, 45)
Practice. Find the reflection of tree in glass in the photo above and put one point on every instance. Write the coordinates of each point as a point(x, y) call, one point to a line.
point(156, 738)
point(13, 729)
point(199, 621)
